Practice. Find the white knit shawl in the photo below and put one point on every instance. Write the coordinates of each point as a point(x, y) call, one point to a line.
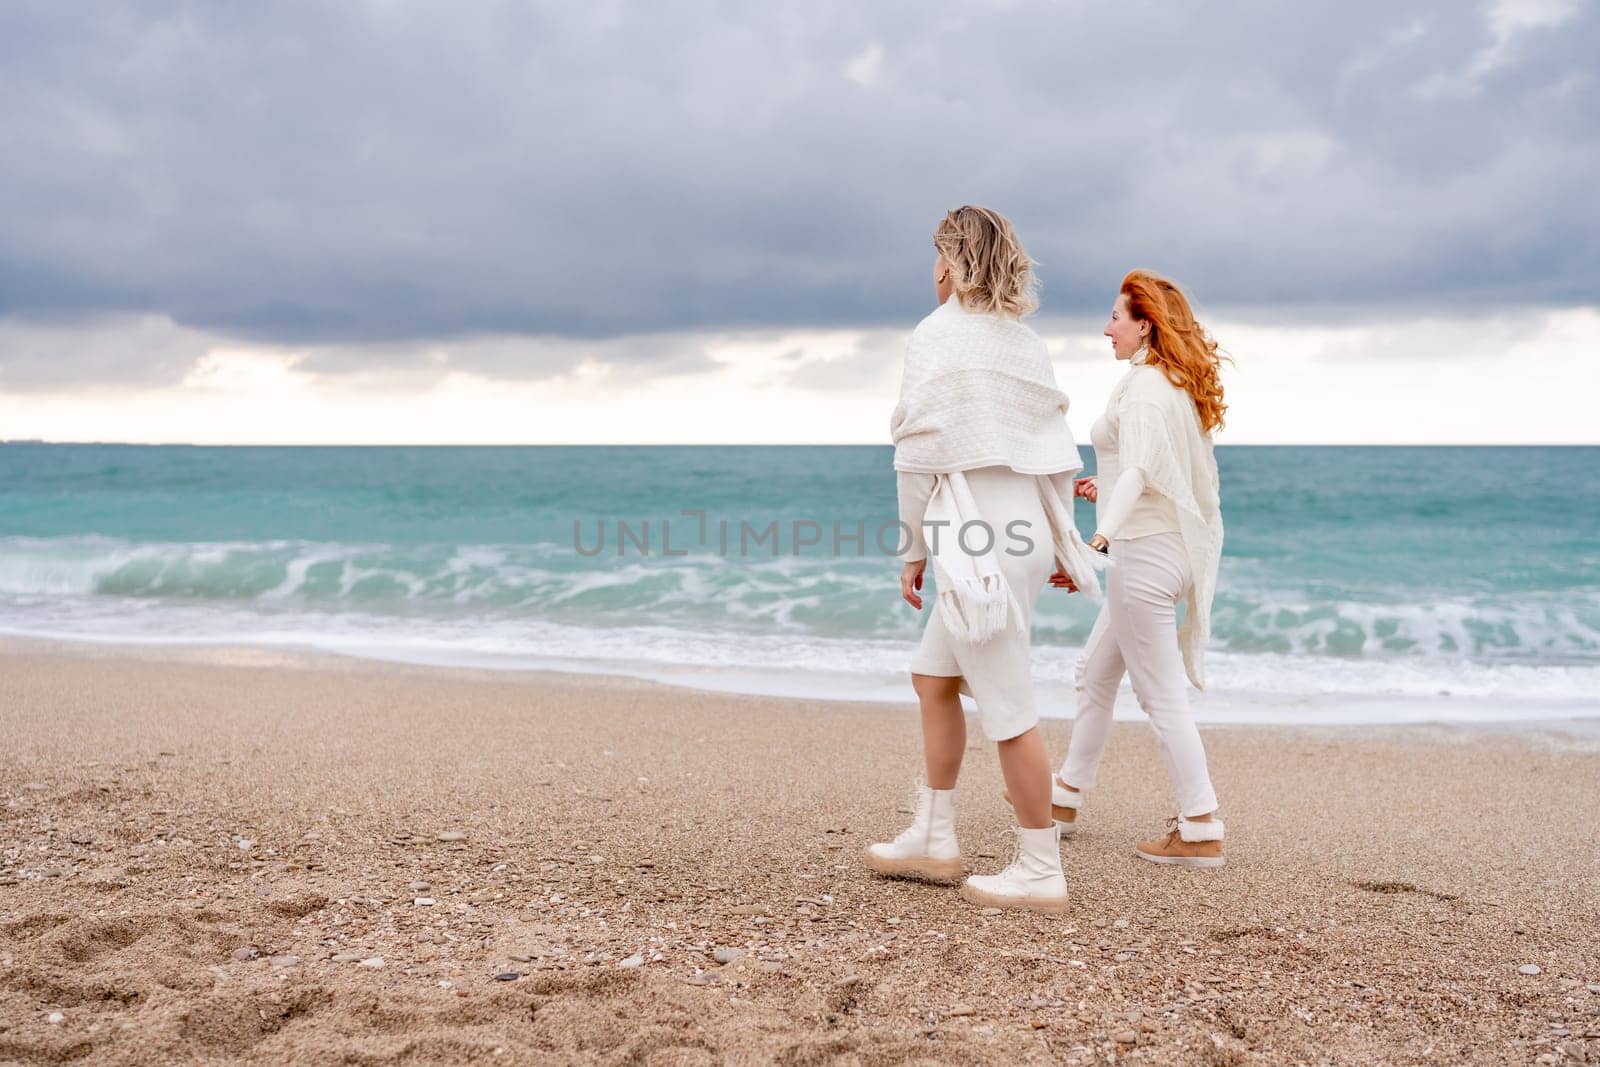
point(979, 391)
point(1158, 431)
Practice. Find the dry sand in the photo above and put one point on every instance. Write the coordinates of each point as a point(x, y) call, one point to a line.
point(197, 852)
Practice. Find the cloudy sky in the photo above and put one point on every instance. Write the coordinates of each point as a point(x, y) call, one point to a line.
point(528, 222)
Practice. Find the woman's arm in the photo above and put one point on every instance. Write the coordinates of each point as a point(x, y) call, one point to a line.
point(915, 490)
point(1120, 504)
point(1066, 485)
point(1143, 435)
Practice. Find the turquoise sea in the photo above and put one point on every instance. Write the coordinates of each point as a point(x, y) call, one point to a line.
point(1357, 584)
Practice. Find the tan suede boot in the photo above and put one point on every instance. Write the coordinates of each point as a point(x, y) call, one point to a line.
point(1187, 844)
point(1064, 805)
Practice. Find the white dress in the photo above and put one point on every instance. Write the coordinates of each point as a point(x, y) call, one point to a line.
point(996, 673)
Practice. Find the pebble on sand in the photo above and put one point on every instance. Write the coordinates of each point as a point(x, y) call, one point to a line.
point(285, 961)
point(634, 960)
point(727, 955)
point(452, 835)
point(505, 976)
point(424, 902)
point(375, 963)
point(56, 1018)
point(346, 957)
point(1530, 968)
point(420, 887)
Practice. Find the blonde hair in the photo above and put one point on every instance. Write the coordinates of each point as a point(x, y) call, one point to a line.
point(988, 265)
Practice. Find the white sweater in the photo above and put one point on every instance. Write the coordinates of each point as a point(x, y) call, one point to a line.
point(1125, 507)
point(979, 391)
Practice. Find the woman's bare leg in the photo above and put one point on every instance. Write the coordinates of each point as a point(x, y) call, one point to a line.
point(1027, 772)
point(944, 728)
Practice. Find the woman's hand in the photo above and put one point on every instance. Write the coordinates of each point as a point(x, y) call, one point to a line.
point(911, 582)
point(1087, 488)
point(1062, 580)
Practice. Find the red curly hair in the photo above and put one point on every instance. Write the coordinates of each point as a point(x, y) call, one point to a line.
point(1178, 344)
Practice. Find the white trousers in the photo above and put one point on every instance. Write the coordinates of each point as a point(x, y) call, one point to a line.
point(1136, 632)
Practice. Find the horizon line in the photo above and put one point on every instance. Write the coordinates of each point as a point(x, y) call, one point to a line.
point(745, 444)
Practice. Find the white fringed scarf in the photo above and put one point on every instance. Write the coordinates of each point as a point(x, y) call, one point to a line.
point(979, 391)
point(974, 596)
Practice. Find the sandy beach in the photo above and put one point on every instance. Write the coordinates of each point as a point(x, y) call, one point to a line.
point(208, 856)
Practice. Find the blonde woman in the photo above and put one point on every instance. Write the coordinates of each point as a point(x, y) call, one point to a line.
point(1158, 518)
point(985, 465)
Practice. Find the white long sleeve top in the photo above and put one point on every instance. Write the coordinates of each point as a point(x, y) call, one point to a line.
point(1125, 507)
point(914, 491)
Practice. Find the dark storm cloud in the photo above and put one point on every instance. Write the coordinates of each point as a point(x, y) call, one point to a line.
point(353, 173)
point(95, 351)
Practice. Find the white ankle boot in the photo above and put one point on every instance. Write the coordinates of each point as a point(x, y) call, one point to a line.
point(1033, 880)
point(927, 848)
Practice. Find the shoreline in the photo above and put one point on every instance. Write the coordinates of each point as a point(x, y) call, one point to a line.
point(1577, 722)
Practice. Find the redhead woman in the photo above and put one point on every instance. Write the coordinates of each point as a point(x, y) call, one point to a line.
point(985, 466)
point(1159, 521)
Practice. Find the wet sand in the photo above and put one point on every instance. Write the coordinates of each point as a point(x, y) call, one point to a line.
point(237, 855)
